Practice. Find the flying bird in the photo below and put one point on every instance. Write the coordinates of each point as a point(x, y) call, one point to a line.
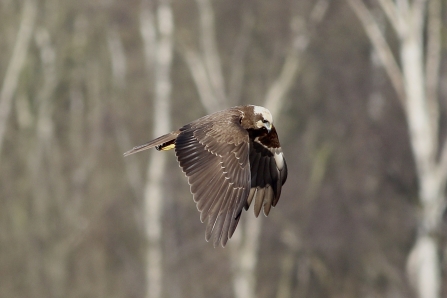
point(231, 158)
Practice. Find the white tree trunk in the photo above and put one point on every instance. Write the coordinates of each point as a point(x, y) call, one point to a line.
point(423, 262)
point(119, 72)
point(162, 42)
point(244, 255)
point(423, 267)
point(16, 63)
point(419, 76)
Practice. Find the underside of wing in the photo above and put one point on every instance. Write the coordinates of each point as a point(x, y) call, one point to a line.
point(218, 172)
point(268, 173)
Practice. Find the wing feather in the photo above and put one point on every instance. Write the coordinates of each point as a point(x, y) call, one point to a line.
point(250, 197)
point(276, 182)
point(268, 172)
point(212, 199)
point(268, 199)
point(268, 195)
point(224, 220)
point(214, 155)
point(214, 220)
point(259, 198)
point(202, 180)
point(259, 181)
point(241, 193)
point(254, 165)
point(241, 155)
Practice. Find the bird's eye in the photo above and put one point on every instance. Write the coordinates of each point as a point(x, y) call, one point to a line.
point(265, 121)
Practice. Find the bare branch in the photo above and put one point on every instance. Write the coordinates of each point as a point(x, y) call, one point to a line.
point(16, 63)
point(48, 57)
point(207, 71)
point(210, 49)
point(418, 10)
point(433, 48)
point(148, 34)
point(381, 46)
point(201, 80)
point(393, 15)
point(442, 166)
point(403, 6)
point(280, 87)
point(45, 124)
point(237, 63)
point(433, 63)
point(317, 13)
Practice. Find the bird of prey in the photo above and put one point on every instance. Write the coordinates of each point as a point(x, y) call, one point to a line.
point(231, 158)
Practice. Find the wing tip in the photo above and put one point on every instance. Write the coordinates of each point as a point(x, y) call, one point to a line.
point(127, 153)
point(133, 151)
point(165, 142)
point(139, 148)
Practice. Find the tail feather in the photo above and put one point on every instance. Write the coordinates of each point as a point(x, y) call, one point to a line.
point(170, 137)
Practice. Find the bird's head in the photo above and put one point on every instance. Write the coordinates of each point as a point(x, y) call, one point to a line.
point(263, 118)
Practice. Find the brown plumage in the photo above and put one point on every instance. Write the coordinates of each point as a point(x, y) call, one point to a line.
point(231, 158)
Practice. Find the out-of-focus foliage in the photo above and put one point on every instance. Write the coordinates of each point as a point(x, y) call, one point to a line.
point(70, 221)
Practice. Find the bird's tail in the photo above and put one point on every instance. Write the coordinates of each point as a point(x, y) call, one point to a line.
point(165, 142)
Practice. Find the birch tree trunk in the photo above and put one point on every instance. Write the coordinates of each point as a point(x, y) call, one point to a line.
point(119, 71)
point(16, 63)
point(43, 168)
point(158, 43)
point(419, 78)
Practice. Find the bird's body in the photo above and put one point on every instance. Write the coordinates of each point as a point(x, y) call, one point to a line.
point(231, 158)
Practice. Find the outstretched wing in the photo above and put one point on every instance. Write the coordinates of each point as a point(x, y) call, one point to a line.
point(214, 154)
point(268, 172)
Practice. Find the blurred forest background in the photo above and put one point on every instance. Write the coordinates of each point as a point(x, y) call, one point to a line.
point(361, 215)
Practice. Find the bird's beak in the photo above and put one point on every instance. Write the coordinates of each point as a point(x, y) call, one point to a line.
point(268, 126)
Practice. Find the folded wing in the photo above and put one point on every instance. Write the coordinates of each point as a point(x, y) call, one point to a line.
point(268, 172)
